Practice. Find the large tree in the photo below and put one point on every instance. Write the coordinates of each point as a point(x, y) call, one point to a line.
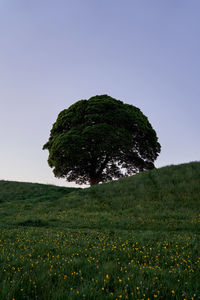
point(101, 139)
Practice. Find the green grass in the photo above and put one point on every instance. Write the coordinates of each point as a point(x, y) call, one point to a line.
point(136, 238)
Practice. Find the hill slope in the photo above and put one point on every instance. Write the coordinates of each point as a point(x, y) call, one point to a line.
point(13, 190)
point(144, 201)
point(136, 238)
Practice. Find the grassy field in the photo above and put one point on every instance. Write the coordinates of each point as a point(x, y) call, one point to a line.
point(136, 238)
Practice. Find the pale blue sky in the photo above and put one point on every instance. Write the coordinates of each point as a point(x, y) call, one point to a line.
point(54, 53)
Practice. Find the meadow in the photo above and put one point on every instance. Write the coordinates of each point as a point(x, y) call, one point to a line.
point(135, 238)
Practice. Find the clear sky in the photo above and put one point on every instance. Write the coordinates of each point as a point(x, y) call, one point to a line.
point(56, 52)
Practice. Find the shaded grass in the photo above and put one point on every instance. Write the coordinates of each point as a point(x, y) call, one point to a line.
point(14, 191)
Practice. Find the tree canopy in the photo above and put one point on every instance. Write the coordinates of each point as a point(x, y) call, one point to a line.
point(101, 139)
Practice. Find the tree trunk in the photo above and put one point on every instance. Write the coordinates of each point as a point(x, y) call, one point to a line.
point(94, 180)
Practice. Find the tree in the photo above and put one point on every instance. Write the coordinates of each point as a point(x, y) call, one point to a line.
point(100, 139)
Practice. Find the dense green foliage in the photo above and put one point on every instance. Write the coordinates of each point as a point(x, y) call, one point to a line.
point(100, 139)
point(135, 238)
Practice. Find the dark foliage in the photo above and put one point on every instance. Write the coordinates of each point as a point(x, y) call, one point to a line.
point(100, 139)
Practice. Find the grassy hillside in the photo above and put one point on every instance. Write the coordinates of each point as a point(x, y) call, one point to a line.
point(136, 238)
point(12, 190)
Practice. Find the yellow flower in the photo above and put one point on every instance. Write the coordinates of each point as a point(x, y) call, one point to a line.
point(173, 292)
